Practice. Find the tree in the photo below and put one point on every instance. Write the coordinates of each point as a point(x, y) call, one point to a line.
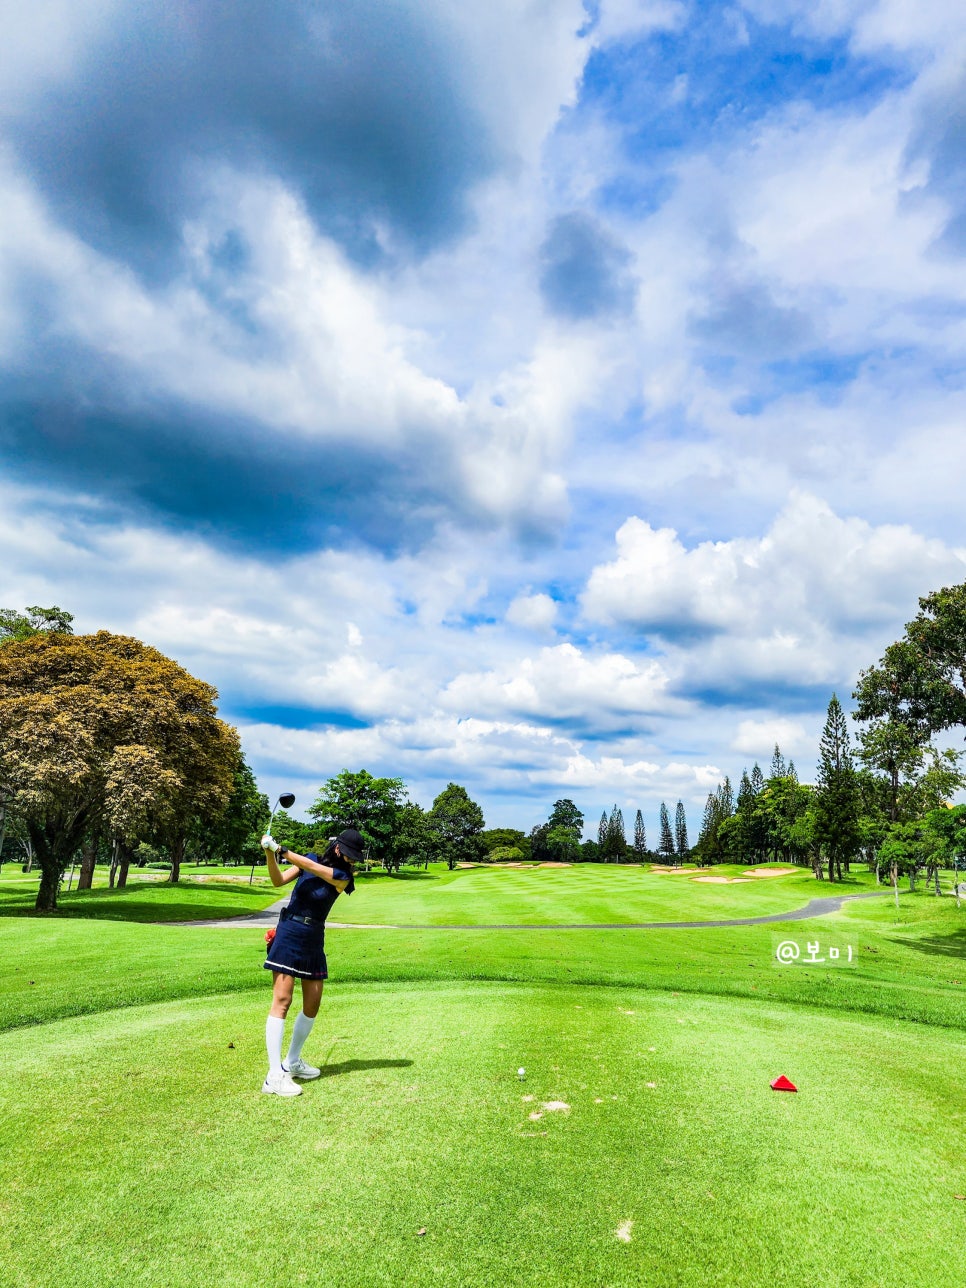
point(81, 718)
point(778, 767)
point(836, 798)
point(412, 839)
point(615, 838)
point(938, 633)
point(665, 845)
point(563, 844)
point(561, 836)
point(505, 854)
point(370, 805)
point(783, 820)
point(566, 814)
point(33, 621)
point(602, 833)
point(141, 799)
point(233, 836)
point(539, 849)
point(707, 846)
point(681, 832)
point(456, 823)
point(503, 837)
point(640, 838)
point(947, 831)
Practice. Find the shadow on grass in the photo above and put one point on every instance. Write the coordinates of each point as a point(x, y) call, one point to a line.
point(382, 875)
point(953, 945)
point(143, 903)
point(356, 1066)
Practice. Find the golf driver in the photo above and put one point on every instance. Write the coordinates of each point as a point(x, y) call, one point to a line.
point(286, 800)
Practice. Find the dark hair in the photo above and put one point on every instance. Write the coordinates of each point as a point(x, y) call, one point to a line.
point(344, 862)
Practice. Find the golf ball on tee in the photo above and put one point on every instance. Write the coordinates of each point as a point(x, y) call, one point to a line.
point(521, 1073)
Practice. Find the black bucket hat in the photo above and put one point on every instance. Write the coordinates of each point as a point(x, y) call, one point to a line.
point(351, 844)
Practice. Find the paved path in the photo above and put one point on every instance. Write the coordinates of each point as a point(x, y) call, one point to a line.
point(814, 908)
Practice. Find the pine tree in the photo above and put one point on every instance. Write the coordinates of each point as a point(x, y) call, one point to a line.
point(616, 838)
point(666, 844)
point(757, 780)
point(792, 772)
point(726, 798)
point(640, 838)
point(602, 833)
point(778, 768)
point(745, 792)
point(708, 836)
point(836, 795)
point(681, 832)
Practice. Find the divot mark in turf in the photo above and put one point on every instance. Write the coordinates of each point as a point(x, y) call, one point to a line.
point(556, 1106)
point(623, 1231)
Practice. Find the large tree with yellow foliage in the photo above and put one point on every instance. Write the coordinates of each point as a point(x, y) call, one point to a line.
point(102, 730)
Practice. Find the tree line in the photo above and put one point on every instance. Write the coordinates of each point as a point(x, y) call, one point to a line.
point(885, 800)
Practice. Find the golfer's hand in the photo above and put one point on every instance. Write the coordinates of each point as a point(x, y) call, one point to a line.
point(269, 843)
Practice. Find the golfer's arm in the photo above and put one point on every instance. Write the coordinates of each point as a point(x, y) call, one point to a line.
point(319, 869)
point(275, 874)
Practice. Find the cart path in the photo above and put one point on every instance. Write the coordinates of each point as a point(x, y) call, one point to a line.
point(814, 908)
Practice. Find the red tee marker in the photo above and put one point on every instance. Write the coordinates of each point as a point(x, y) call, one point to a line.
point(782, 1084)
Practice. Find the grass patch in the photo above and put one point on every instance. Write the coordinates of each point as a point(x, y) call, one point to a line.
point(422, 1123)
point(172, 1168)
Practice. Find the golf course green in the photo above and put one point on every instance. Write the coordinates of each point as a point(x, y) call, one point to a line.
point(643, 1144)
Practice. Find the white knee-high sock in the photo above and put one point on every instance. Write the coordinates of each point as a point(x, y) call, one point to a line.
point(274, 1031)
point(303, 1027)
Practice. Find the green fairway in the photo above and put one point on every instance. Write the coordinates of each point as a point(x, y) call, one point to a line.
point(587, 893)
point(138, 1148)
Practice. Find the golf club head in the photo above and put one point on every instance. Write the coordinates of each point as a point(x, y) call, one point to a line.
point(285, 800)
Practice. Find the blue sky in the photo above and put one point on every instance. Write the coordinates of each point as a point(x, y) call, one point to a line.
point(557, 398)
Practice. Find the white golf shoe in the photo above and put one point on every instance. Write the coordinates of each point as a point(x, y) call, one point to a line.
point(280, 1084)
point(299, 1069)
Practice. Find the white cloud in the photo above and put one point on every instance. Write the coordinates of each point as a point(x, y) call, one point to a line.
point(804, 603)
point(563, 682)
point(532, 612)
point(620, 19)
point(758, 738)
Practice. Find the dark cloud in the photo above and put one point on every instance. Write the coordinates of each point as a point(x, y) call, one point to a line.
point(941, 141)
point(356, 104)
point(585, 270)
point(218, 475)
point(743, 318)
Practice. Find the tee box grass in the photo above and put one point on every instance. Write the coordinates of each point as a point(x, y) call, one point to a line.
point(642, 1146)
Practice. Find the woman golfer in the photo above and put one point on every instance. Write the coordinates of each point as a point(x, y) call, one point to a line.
point(298, 949)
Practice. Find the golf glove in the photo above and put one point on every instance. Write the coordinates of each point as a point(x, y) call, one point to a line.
point(269, 843)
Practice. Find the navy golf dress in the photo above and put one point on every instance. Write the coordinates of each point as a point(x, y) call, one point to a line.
point(299, 945)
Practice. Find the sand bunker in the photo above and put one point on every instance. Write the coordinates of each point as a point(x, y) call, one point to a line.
point(770, 872)
point(554, 865)
point(721, 880)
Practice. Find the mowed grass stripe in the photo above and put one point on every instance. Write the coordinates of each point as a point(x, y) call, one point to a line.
point(915, 970)
point(581, 894)
point(172, 1168)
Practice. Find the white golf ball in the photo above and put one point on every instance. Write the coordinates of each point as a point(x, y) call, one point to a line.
point(521, 1073)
